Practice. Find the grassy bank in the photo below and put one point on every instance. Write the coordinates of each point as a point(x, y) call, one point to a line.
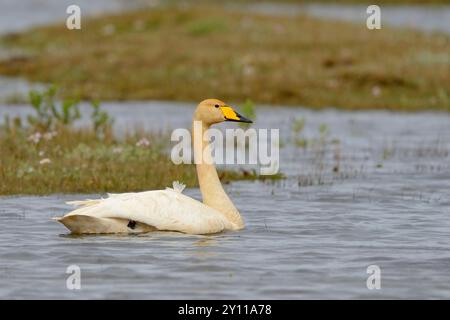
point(46, 154)
point(77, 161)
point(194, 53)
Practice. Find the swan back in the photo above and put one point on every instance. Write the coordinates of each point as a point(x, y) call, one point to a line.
point(164, 210)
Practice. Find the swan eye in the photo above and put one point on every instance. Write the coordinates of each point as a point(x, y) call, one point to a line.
point(216, 106)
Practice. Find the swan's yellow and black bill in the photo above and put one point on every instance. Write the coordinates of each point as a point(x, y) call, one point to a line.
point(231, 115)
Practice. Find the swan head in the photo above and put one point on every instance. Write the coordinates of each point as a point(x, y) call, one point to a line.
point(211, 111)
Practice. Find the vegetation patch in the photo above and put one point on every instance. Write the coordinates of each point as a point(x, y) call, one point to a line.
point(192, 53)
point(48, 155)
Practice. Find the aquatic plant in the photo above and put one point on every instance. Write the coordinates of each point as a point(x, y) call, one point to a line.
point(321, 153)
point(101, 120)
point(298, 125)
point(49, 113)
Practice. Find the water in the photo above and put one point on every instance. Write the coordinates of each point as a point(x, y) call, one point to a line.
point(24, 14)
point(20, 15)
point(301, 241)
point(424, 18)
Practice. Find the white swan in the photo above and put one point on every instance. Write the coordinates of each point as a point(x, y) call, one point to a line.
point(167, 210)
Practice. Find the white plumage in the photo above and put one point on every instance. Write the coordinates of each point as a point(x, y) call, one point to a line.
point(166, 210)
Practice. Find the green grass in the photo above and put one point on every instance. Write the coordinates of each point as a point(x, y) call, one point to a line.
point(194, 53)
point(46, 154)
point(78, 161)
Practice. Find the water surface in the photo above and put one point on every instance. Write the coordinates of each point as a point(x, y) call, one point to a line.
point(424, 18)
point(19, 15)
point(388, 205)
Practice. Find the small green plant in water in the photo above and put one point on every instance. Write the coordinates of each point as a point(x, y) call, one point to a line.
point(298, 125)
point(49, 113)
point(324, 131)
point(101, 120)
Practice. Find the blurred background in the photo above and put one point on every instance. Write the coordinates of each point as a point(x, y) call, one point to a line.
point(314, 54)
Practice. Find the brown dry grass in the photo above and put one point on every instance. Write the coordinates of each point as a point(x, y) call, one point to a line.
point(80, 162)
point(192, 53)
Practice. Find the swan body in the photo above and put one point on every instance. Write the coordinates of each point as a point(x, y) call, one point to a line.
point(163, 210)
point(170, 209)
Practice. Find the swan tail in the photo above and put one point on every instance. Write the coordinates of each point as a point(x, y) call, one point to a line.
point(83, 224)
point(83, 220)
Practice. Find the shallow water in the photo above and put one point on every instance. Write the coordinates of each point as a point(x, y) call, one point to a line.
point(28, 13)
point(424, 18)
point(19, 15)
point(301, 241)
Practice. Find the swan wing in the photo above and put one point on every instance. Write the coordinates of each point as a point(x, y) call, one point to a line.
point(167, 210)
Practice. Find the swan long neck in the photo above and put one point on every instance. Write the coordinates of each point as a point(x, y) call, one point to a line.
point(211, 188)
